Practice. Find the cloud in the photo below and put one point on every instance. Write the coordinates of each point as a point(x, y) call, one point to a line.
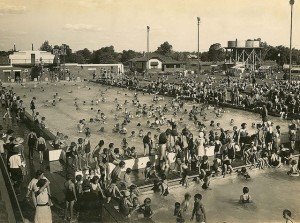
point(12, 9)
point(82, 27)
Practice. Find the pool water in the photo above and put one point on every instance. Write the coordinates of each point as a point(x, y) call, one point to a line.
point(64, 117)
point(271, 190)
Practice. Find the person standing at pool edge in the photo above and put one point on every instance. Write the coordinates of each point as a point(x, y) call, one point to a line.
point(31, 142)
point(32, 105)
point(264, 114)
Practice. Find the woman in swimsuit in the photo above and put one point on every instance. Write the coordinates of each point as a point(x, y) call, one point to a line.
point(71, 197)
point(204, 166)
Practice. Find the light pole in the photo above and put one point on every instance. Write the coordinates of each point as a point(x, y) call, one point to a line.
point(278, 62)
point(198, 56)
point(291, 32)
point(148, 29)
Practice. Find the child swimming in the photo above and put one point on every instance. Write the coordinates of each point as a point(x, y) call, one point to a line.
point(294, 172)
point(245, 197)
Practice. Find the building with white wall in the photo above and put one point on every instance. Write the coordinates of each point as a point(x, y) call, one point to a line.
point(31, 58)
point(156, 61)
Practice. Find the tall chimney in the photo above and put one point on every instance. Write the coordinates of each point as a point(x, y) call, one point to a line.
point(32, 46)
point(14, 47)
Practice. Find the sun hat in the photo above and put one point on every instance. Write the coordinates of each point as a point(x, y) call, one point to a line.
point(126, 193)
point(18, 140)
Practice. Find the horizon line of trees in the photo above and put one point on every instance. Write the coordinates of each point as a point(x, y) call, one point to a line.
point(215, 53)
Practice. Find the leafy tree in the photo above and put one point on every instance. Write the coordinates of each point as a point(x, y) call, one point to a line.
point(180, 56)
point(46, 46)
point(105, 55)
point(128, 55)
point(216, 52)
point(82, 56)
point(76, 58)
point(296, 56)
point(204, 56)
point(165, 49)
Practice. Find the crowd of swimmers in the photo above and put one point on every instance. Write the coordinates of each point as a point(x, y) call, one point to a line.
point(280, 96)
point(262, 149)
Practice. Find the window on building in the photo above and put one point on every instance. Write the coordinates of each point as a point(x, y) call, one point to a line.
point(153, 65)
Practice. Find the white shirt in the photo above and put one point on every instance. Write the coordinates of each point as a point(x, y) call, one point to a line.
point(1, 146)
point(15, 161)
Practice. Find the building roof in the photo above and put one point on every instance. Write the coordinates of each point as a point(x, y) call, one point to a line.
point(163, 59)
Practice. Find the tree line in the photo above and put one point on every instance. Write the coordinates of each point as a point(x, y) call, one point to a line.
point(215, 53)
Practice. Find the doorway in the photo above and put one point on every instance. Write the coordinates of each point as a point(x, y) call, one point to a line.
point(17, 75)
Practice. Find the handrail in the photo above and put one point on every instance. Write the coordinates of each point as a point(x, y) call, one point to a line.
point(11, 193)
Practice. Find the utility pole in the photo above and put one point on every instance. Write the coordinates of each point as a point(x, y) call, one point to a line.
point(292, 2)
point(198, 56)
point(147, 54)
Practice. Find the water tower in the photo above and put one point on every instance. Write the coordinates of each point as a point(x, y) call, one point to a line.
point(247, 53)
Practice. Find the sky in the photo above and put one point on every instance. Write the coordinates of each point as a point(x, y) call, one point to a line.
point(94, 24)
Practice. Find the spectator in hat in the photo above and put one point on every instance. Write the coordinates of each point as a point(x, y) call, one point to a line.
point(18, 143)
point(15, 164)
point(9, 147)
point(89, 205)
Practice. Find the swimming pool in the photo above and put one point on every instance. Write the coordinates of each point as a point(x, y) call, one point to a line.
point(64, 117)
point(272, 191)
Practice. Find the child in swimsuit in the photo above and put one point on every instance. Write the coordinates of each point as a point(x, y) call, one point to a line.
point(178, 213)
point(294, 169)
point(245, 197)
point(164, 186)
